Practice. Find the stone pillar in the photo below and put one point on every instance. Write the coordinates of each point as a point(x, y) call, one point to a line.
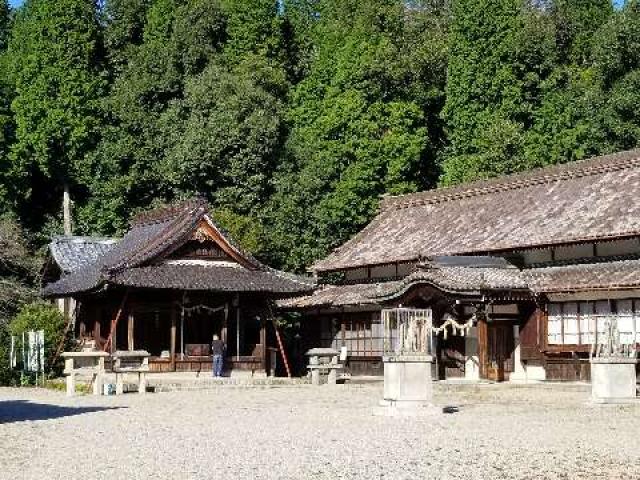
point(332, 378)
point(472, 361)
point(119, 383)
point(314, 361)
point(142, 383)
point(98, 381)
point(519, 373)
point(71, 377)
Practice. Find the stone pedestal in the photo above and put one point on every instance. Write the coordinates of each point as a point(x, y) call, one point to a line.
point(408, 388)
point(613, 380)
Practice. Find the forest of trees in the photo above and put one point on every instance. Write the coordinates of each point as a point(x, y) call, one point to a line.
point(293, 117)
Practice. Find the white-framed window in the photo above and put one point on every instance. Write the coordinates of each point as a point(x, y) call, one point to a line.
point(554, 324)
point(581, 323)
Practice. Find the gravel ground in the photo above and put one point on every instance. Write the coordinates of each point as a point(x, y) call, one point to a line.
point(317, 433)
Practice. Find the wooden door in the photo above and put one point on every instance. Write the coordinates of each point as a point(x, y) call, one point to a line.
point(499, 351)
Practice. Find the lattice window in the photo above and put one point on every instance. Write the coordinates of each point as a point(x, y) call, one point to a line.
point(582, 323)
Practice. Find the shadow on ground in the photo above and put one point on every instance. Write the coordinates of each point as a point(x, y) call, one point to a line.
point(23, 410)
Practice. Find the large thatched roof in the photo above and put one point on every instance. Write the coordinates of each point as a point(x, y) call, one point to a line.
point(582, 201)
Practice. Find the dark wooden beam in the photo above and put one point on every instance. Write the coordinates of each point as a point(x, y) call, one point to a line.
point(263, 342)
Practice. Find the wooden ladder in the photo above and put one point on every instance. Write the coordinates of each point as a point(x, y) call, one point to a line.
point(279, 338)
point(114, 323)
point(65, 333)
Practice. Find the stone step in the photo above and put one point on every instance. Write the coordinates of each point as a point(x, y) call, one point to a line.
point(160, 385)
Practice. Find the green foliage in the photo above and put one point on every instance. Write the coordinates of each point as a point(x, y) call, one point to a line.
point(576, 21)
point(6, 94)
point(293, 117)
point(253, 27)
point(44, 316)
point(5, 24)
point(521, 92)
point(192, 111)
point(355, 134)
point(246, 230)
point(616, 59)
point(230, 135)
point(124, 28)
point(53, 62)
point(7, 377)
point(485, 92)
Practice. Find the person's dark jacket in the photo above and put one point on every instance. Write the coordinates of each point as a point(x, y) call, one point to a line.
point(217, 347)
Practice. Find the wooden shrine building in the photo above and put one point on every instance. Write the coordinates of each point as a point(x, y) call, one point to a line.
point(173, 281)
point(535, 263)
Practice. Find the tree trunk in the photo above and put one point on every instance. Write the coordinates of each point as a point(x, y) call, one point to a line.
point(66, 210)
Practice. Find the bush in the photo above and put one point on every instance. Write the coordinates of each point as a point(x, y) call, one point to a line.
point(18, 270)
point(44, 316)
point(7, 377)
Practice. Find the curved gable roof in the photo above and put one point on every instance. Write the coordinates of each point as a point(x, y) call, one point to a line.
point(579, 201)
point(139, 259)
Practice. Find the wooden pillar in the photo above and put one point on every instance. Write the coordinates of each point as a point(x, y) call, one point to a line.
point(223, 333)
point(172, 344)
point(237, 303)
point(263, 342)
point(130, 345)
point(82, 330)
point(483, 345)
point(96, 333)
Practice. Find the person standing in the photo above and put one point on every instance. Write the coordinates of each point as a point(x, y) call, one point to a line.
point(217, 349)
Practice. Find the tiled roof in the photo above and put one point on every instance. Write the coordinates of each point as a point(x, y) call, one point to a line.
point(221, 278)
point(580, 201)
point(604, 275)
point(137, 261)
point(72, 253)
point(461, 280)
point(614, 275)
